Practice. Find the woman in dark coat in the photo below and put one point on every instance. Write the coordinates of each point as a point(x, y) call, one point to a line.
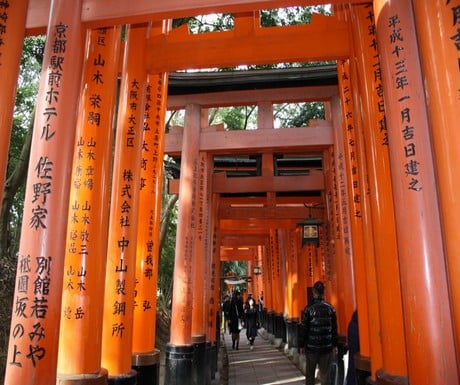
point(353, 347)
point(251, 312)
point(236, 319)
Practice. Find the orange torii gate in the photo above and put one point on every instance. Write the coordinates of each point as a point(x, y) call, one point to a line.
point(388, 184)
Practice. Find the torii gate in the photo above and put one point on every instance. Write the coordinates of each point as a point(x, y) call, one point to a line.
point(388, 175)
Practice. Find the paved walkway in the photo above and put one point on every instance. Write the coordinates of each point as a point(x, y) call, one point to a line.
point(264, 365)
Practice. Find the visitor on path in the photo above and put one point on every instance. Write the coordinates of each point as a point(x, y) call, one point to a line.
point(251, 314)
point(226, 312)
point(353, 348)
point(236, 319)
point(319, 331)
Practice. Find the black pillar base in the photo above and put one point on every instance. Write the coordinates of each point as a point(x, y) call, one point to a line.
point(178, 364)
point(264, 318)
point(342, 349)
point(147, 366)
point(100, 378)
point(125, 379)
point(211, 357)
point(201, 366)
point(270, 322)
point(292, 328)
point(280, 327)
point(384, 378)
point(362, 369)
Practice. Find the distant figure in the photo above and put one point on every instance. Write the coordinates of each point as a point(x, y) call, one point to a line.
point(226, 312)
point(319, 324)
point(251, 314)
point(353, 348)
point(236, 319)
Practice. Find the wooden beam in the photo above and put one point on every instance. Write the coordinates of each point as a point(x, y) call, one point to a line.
point(326, 38)
point(221, 184)
point(298, 213)
point(314, 182)
point(248, 97)
point(254, 226)
point(243, 240)
point(100, 13)
point(247, 141)
point(257, 201)
point(237, 254)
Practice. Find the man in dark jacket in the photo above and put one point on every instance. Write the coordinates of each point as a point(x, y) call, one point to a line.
point(319, 323)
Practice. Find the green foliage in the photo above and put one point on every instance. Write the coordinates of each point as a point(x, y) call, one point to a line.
point(166, 262)
point(298, 114)
point(236, 269)
point(235, 118)
point(206, 23)
point(28, 82)
point(268, 18)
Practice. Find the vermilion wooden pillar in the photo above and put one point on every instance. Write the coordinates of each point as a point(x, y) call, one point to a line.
point(88, 214)
point(179, 352)
point(304, 279)
point(315, 262)
point(326, 266)
point(355, 231)
point(276, 271)
point(200, 213)
point(13, 28)
point(267, 276)
point(292, 272)
point(213, 309)
point(431, 347)
point(355, 158)
point(339, 240)
point(33, 345)
point(261, 258)
point(117, 331)
point(375, 138)
point(146, 359)
point(250, 283)
point(283, 286)
point(199, 260)
point(438, 24)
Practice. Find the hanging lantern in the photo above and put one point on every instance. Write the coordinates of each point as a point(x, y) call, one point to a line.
point(257, 270)
point(310, 230)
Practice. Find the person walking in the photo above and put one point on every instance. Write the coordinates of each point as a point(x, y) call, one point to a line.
point(226, 312)
point(236, 319)
point(251, 313)
point(353, 348)
point(319, 328)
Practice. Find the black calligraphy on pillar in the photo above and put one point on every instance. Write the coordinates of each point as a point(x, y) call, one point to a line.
point(34, 273)
point(157, 157)
point(201, 198)
point(347, 100)
point(25, 307)
point(146, 144)
point(377, 79)
point(455, 36)
point(44, 166)
point(85, 164)
point(401, 85)
point(4, 5)
point(127, 194)
point(211, 301)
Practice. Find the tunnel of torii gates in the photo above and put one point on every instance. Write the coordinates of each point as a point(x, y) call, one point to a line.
point(379, 173)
